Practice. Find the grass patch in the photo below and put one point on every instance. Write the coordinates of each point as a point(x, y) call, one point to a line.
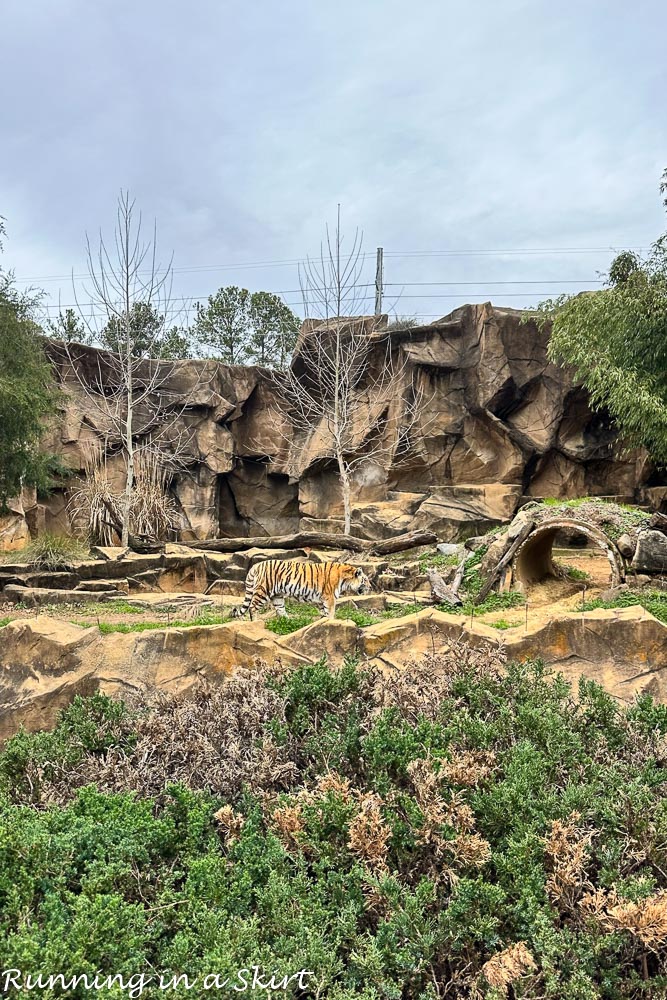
point(107, 628)
point(436, 560)
point(502, 624)
point(573, 572)
point(300, 615)
point(653, 601)
point(116, 607)
point(494, 602)
point(4, 621)
point(50, 553)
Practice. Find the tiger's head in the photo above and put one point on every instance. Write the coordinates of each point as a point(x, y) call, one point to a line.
point(354, 580)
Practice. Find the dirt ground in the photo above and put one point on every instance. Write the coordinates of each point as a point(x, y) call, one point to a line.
point(546, 600)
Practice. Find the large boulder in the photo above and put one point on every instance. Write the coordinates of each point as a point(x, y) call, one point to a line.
point(651, 552)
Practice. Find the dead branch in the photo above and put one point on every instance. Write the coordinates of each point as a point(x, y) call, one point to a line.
point(440, 591)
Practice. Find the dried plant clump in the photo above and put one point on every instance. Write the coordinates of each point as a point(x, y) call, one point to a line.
point(212, 738)
point(288, 824)
point(566, 855)
point(419, 688)
point(468, 767)
point(645, 920)
point(334, 783)
point(508, 966)
point(229, 823)
point(369, 834)
point(96, 507)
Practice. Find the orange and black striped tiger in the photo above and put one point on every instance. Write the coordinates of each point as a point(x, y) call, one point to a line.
point(317, 583)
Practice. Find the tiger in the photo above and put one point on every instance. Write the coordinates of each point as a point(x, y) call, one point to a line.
point(317, 583)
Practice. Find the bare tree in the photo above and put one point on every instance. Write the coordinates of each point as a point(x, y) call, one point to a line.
point(128, 391)
point(348, 383)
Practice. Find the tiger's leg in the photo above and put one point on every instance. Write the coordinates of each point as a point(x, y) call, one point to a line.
point(279, 604)
point(329, 603)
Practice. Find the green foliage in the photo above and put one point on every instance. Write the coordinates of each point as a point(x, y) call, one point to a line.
point(616, 340)
point(427, 826)
point(146, 335)
point(300, 615)
point(436, 560)
point(223, 324)
point(654, 601)
point(502, 624)
point(573, 572)
point(273, 330)
point(243, 328)
point(69, 327)
point(494, 602)
point(27, 393)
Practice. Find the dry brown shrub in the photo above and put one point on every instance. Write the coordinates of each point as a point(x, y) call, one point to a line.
point(507, 966)
point(210, 739)
point(426, 783)
point(229, 823)
point(459, 814)
point(645, 920)
point(566, 851)
point(468, 767)
point(287, 821)
point(369, 834)
point(334, 782)
point(419, 688)
point(469, 850)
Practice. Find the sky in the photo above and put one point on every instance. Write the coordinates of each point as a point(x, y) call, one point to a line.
point(496, 151)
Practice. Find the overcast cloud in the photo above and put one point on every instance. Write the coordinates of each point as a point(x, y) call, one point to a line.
point(478, 126)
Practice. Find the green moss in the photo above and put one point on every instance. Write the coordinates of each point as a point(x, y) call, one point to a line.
point(573, 572)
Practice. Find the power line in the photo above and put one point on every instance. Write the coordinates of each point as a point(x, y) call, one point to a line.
point(391, 284)
point(388, 253)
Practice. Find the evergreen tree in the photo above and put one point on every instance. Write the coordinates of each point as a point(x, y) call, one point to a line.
point(27, 392)
point(223, 324)
point(68, 327)
point(616, 339)
point(274, 329)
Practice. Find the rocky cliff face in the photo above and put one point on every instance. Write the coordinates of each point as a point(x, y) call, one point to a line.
point(499, 422)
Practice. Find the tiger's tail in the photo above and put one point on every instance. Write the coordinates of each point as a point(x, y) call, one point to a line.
point(250, 582)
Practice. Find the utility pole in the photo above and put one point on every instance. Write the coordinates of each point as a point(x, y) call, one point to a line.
point(379, 278)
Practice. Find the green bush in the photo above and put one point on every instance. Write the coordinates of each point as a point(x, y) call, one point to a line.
point(462, 823)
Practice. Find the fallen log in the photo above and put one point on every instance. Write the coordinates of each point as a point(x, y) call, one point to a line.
point(410, 540)
point(504, 561)
point(318, 540)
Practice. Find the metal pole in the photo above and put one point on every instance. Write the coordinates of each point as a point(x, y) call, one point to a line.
point(379, 278)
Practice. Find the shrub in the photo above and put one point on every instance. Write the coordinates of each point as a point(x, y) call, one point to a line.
point(463, 821)
point(53, 552)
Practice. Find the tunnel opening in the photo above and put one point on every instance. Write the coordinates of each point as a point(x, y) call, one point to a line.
point(535, 561)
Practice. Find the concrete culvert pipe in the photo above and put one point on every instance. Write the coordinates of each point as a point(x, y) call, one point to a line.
point(534, 559)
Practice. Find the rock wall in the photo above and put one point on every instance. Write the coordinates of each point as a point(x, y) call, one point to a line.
point(499, 422)
point(44, 663)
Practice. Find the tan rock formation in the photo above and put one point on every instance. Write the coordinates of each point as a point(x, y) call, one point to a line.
point(496, 414)
point(44, 663)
